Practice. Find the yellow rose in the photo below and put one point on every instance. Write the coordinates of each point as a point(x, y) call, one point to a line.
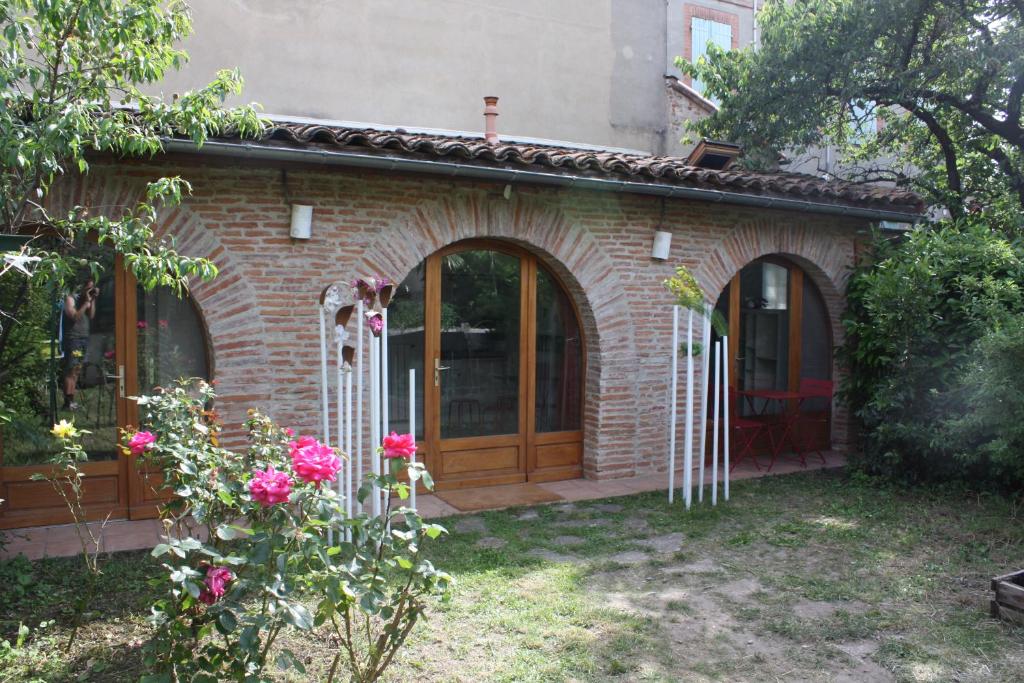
point(64, 430)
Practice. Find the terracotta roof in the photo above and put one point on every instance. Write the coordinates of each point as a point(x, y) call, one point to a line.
point(591, 163)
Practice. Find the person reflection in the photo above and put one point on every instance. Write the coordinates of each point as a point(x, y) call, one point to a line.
point(79, 310)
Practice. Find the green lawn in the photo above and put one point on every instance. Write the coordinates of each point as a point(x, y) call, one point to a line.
point(814, 576)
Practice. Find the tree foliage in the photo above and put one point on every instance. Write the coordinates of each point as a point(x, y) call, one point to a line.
point(946, 77)
point(74, 76)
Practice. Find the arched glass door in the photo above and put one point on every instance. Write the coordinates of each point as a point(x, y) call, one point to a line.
point(497, 345)
point(779, 337)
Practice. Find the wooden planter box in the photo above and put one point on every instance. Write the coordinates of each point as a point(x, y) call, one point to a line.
point(1008, 602)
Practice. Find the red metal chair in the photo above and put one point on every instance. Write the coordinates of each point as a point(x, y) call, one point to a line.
point(811, 389)
point(744, 433)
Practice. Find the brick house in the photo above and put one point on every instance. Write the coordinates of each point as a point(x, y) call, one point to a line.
point(529, 301)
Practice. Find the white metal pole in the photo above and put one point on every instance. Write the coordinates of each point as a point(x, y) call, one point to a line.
point(673, 397)
point(704, 400)
point(385, 379)
point(412, 429)
point(688, 446)
point(725, 414)
point(339, 483)
point(359, 398)
point(374, 419)
point(714, 436)
point(325, 425)
point(348, 447)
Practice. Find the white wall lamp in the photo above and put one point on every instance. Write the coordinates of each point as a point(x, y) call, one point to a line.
point(662, 238)
point(662, 245)
point(302, 214)
point(302, 222)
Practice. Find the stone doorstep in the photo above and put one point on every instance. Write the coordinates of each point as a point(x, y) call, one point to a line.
point(62, 541)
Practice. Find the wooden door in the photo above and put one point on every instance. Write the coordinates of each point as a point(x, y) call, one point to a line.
point(496, 342)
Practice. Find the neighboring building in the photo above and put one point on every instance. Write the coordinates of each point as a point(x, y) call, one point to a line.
point(529, 302)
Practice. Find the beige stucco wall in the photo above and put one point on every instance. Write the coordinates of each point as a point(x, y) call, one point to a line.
point(428, 63)
point(588, 71)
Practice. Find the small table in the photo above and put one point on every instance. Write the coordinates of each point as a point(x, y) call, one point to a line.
point(787, 421)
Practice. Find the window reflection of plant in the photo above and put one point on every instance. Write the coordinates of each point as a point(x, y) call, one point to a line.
point(161, 360)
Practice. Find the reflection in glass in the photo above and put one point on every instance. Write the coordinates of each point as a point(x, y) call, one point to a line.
point(480, 304)
point(406, 323)
point(816, 345)
point(59, 363)
point(559, 361)
point(170, 339)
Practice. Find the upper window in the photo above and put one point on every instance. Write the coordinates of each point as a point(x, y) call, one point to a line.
point(704, 32)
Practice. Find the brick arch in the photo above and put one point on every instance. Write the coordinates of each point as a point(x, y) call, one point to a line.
point(227, 305)
point(823, 256)
point(566, 249)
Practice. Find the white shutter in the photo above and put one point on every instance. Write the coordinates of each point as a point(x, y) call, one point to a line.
point(704, 31)
point(701, 36)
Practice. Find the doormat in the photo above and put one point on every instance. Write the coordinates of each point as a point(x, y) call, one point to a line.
point(497, 497)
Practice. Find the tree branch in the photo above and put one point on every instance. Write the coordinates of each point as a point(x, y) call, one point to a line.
point(948, 148)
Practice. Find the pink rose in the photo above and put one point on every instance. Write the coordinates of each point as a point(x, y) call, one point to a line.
point(217, 580)
point(270, 487)
point(142, 324)
point(315, 462)
point(108, 354)
point(399, 446)
point(141, 442)
point(163, 324)
point(303, 442)
point(289, 432)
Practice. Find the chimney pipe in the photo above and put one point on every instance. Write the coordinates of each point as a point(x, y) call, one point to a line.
point(491, 120)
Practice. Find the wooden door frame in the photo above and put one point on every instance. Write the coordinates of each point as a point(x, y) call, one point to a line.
point(527, 440)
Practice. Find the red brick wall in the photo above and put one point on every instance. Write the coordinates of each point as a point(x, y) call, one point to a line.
point(261, 310)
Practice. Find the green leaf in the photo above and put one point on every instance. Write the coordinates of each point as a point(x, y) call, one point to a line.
point(227, 620)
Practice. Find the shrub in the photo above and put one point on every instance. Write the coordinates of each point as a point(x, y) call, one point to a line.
point(988, 437)
point(917, 307)
point(247, 549)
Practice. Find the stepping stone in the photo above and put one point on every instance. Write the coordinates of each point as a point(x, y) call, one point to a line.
point(491, 542)
point(565, 508)
point(669, 543)
point(568, 540)
point(629, 557)
point(552, 556)
point(527, 515)
point(636, 524)
point(583, 523)
point(468, 524)
point(607, 507)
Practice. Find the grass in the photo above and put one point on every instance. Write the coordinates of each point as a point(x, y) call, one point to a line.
point(814, 576)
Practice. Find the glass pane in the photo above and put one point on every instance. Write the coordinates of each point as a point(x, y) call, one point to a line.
point(559, 358)
point(764, 333)
point(405, 349)
point(816, 347)
point(479, 344)
point(171, 343)
point(59, 363)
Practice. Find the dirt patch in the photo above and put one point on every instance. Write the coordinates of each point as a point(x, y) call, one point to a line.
point(667, 543)
point(491, 542)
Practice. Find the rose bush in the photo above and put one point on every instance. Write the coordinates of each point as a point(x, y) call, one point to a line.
point(247, 552)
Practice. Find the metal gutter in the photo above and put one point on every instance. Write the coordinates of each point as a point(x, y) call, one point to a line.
point(250, 150)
